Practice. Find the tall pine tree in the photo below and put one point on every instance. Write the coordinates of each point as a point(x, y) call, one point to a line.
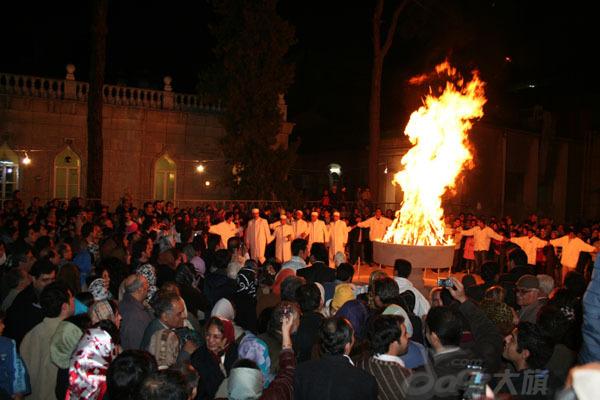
point(252, 41)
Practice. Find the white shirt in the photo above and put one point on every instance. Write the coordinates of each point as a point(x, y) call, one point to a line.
point(317, 232)
point(378, 227)
point(571, 249)
point(482, 237)
point(224, 229)
point(529, 245)
point(422, 306)
point(295, 263)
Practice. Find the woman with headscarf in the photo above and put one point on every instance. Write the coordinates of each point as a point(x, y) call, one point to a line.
point(148, 271)
point(224, 309)
point(247, 379)
point(214, 359)
point(90, 361)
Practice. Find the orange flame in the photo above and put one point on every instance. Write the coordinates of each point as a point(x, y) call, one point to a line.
point(438, 132)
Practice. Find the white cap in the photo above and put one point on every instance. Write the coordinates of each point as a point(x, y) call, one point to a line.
point(316, 214)
point(283, 216)
point(300, 211)
point(255, 211)
point(336, 213)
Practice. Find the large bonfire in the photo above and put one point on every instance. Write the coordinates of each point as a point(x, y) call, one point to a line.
point(438, 131)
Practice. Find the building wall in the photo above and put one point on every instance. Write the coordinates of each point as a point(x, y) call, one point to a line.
point(135, 136)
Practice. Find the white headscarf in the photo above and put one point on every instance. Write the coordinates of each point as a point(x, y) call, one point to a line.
point(245, 384)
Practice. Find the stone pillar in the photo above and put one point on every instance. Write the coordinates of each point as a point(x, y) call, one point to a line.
point(168, 96)
point(70, 90)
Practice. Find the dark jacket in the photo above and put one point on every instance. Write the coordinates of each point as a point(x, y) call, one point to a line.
point(391, 377)
point(209, 370)
point(217, 286)
point(24, 313)
point(333, 378)
point(318, 272)
point(307, 335)
point(135, 320)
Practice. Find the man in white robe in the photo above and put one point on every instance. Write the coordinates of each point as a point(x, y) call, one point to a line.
point(338, 237)
point(258, 235)
point(571, 247)
point(283, 234)
point(377, 225)
point(300, 226)
point(529, 244)
point(225, 229)
point(317, 231)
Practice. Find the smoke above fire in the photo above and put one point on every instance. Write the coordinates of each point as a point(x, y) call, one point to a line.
point(438, 131)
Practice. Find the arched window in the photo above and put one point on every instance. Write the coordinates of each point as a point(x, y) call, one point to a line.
point(9, 172)
point(67, 174)
point(165, 173)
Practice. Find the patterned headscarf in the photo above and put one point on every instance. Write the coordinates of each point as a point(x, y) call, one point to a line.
point(98, 290)
point(255, 349)
point(89, 363)
point(148, 271)
point(101, 310)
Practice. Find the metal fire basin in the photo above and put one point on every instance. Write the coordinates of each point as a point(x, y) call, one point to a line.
point(419, 256)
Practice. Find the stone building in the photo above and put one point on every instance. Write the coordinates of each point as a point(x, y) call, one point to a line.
point(156, 142)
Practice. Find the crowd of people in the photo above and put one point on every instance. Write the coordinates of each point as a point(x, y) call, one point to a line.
point(237, 302)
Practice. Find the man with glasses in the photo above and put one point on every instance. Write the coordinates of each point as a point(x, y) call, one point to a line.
point(528, 295)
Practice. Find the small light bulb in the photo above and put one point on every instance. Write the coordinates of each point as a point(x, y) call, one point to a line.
point(207, 183)
point(26, 160)
point(200, 168)
point(385, 171)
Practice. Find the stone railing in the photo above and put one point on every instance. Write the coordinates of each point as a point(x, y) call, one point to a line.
point(70, 89)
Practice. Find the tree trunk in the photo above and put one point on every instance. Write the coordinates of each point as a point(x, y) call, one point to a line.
point(379, 53)
point(375, 126)
point(95, 104)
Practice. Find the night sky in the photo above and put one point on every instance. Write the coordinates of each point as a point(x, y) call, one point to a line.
point(549, 46)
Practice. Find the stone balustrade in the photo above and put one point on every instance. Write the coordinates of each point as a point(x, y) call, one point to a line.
point(70, 89)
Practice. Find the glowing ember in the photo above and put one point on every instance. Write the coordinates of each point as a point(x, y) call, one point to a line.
point(438, 131)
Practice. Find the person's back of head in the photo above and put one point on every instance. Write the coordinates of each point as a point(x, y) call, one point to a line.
point(468, 280)
point(489, 271)
point(42, 267)
point(553, 323)
point(54, 298)
point(446, 324)
point(289, 287)
point(222, 259)
point(409, 300)
point(234, 243)
point(546, 283)
point(308, 297)
point(383, 331)
point(164, 385)
point(387, 290)
point(539, 347)
point(319, 252)
point(274, 324)
point(336, 336)
point(127, 372)
point(298, 245)
point(575, 283)
point(518, 257)
point(344, 272)
point(402, 268)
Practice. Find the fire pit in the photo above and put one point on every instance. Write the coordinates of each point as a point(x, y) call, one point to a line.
point(419, 256)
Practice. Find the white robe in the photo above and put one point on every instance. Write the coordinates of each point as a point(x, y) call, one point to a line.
point(300, 228)
point(529, 246)
point(283, 242)
point(338, 237)
point(317, 233)
point(258, 235)
point(225, 230)
point(377, 227)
